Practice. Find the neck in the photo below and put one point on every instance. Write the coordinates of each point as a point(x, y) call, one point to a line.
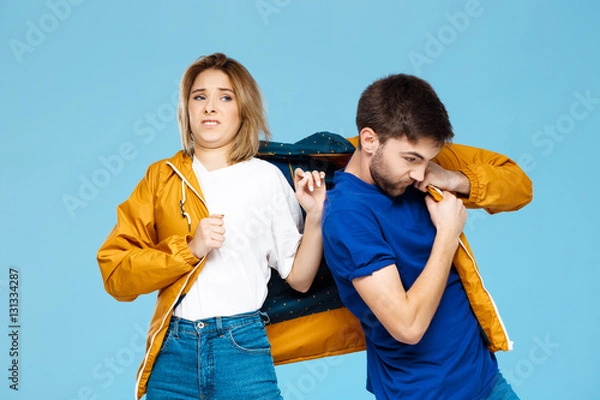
point(212, 158)
point(359, 166)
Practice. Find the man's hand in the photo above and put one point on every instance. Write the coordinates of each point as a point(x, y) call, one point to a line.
point(445, 179)
point(449, 215)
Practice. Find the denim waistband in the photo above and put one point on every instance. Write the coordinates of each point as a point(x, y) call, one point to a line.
point(216, 324)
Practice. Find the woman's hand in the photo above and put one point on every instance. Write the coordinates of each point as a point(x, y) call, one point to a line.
point(210, 234)
point(310, 190)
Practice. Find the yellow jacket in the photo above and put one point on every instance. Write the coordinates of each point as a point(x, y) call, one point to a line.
point(147, 251)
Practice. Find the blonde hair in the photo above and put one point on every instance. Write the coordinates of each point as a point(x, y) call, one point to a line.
point(252, 114)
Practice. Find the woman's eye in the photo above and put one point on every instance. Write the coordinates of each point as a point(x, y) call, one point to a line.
point(226, 98)
point(199, 97)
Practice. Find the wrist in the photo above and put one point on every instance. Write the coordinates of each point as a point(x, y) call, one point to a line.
point(314, 216)
point(447, 238)
point(461, 183)
point(195, 252)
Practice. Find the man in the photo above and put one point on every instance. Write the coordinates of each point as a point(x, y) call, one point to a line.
point(399, 260)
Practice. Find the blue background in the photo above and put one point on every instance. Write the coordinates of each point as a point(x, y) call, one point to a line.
point(86, 83)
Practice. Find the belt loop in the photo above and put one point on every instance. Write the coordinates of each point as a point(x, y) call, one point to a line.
point(265, 318)
point(176, 327)
point(219, 324)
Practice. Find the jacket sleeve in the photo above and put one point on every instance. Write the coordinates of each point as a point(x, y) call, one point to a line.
point(497, 182)
point(131, 260)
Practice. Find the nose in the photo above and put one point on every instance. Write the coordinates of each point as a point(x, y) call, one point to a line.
point(417, 174)
point(210, 107)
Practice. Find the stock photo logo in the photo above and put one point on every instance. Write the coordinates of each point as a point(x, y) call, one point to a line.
point(13, 327)
point(267, 8)
point(457, 23)
point(107, 371)
point(144, 129)
point(539, 353)
point(39, 29)
point(317, 371)
point(564, 125)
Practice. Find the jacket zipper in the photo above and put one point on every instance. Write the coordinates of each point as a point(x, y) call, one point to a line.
point(139, 378)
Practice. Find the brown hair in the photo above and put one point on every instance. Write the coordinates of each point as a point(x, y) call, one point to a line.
point(403, 106)
point(252, 114)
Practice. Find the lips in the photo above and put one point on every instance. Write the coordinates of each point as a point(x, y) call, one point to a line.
point(210, 122)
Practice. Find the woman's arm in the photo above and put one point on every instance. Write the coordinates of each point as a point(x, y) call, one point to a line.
point(131, 260)
point(310, 192)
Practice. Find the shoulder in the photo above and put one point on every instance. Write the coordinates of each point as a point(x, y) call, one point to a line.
point(159, 172)
point(349, 192)
point(342, 208)
point(179, 160)
point(262, 166)
point(266, 172)
point(341, 200)
point(350, 202)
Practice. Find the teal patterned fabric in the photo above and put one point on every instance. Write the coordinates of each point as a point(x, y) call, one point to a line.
point(322, 151)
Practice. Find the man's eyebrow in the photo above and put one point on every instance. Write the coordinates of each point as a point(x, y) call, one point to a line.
point(412, 153)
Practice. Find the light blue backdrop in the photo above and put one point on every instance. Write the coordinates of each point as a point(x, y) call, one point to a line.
point(86, 84)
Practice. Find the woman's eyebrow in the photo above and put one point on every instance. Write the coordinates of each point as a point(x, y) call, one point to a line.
point(203, 89)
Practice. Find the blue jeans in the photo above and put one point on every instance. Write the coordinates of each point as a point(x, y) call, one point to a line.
point(502, 390)
point(215, 359)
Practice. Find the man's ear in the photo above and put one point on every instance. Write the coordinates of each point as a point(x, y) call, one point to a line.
point(369, 141)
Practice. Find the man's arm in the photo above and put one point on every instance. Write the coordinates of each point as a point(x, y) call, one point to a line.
point(407, 314)
point(483, 178)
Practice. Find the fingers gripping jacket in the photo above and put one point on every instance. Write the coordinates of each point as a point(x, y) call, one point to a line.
point(481, 301)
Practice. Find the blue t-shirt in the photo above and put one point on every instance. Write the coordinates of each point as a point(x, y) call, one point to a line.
point(365, 230)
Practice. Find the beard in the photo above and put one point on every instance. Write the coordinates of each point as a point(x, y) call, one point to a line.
point(383, 177)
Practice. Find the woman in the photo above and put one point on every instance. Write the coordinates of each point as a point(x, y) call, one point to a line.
point(204, 228)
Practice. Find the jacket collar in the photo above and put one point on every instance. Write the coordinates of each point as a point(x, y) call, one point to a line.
point(181, 164)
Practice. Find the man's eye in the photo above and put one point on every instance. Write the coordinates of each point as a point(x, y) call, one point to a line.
point(410, 159)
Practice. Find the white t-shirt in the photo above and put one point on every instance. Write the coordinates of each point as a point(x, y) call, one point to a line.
point(263, 224)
